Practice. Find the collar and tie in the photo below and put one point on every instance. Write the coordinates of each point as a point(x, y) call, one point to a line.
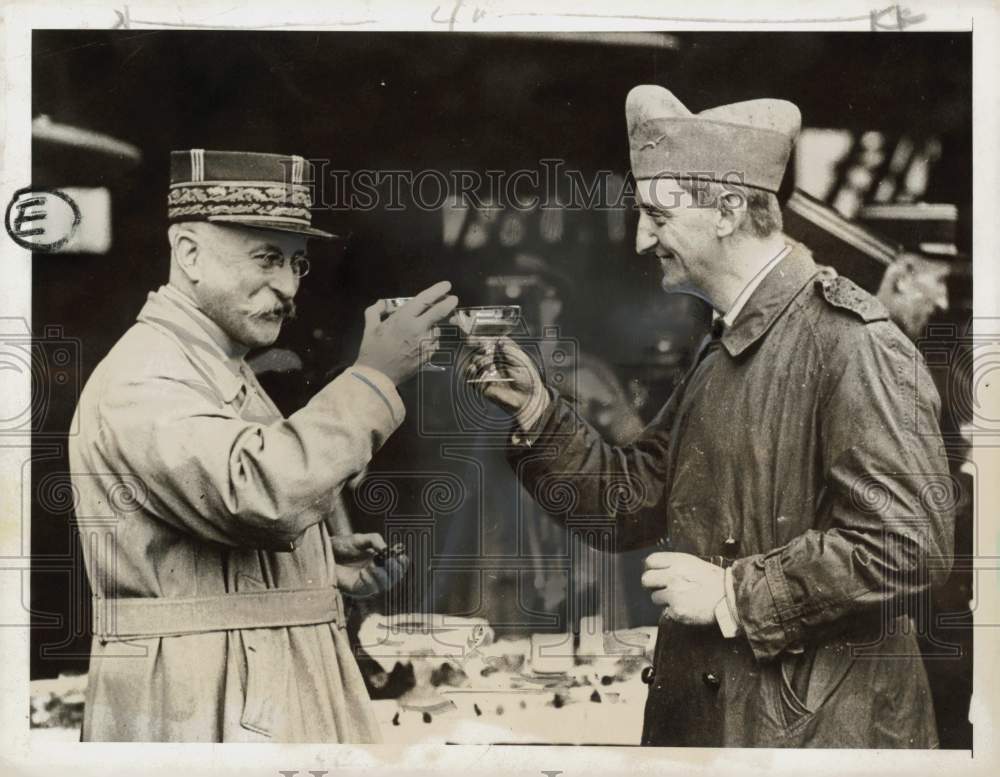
point(760, 304)
point(712, 341)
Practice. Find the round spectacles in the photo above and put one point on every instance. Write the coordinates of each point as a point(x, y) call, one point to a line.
point(300, 266)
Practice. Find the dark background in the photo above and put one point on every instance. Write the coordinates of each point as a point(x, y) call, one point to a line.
point(424, 101)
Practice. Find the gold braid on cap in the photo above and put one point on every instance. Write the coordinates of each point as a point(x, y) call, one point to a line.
point(231, 199)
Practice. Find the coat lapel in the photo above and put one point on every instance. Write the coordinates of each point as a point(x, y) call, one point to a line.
point(770, 300)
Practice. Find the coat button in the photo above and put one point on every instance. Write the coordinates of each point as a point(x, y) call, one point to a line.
point(711, 680)
point(647, 675)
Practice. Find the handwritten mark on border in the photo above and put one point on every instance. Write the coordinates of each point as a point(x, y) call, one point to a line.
point(33, 207)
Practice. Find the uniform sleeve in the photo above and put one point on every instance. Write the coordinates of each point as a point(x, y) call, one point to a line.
point(571, 471)
point(885, 523)
point(212, 474)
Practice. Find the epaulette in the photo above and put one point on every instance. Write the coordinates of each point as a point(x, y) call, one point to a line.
point(844, 293)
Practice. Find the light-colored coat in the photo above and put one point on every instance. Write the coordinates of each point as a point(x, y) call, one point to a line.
point(190, 483)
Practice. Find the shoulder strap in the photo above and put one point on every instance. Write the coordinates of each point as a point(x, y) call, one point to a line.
point(844, 293)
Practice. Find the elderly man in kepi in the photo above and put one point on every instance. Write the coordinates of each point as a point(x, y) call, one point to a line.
point(915, 286)
point(793, 481)
point(207, 516)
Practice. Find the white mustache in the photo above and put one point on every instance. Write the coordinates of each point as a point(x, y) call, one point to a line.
point(285, 311)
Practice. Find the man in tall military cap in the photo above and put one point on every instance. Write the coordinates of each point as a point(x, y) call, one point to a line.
point(217, 590)
point(790, 480)
point(914, 286)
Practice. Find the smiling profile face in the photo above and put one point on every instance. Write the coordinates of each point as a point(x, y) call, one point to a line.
point(243, 279)
point(682, 234)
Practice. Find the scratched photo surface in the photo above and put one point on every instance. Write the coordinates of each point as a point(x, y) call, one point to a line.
point(505, 600)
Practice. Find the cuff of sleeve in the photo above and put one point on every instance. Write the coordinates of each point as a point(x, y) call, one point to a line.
point(725, 611)
point(760, 610)
point(383, 387)
point(527, 436)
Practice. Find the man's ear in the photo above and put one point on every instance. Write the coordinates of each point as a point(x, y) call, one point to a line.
point(906, 269)
point(186, 251)
point(731, 212)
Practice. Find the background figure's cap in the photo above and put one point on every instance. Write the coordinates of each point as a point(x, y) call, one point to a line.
point(745, 143)
point(262, 191)
point(850, 248)
point(924, 228)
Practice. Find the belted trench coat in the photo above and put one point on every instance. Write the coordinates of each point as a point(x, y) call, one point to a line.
point(803, 448)
point(191, 484)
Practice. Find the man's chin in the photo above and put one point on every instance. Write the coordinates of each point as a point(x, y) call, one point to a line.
point(262, 333)
point(916, 327)
point(670, 285)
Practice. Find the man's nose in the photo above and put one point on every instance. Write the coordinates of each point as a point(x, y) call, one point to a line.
point(645, 236)
point(942, 299)
point(285, 282)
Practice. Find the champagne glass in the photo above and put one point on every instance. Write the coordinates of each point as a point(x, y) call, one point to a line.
point(390, 305)
point(489, 322)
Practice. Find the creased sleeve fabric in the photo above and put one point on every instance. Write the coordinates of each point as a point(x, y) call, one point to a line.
point(571, 470)
point(885, 530)
point(232, 481)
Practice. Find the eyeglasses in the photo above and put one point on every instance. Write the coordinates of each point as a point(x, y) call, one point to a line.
point(272, 261)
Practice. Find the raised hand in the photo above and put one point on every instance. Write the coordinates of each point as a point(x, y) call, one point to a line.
point(521, 390)
point(398, 345)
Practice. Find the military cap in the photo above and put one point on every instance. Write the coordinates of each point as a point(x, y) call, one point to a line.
point(747, 142)
point(850, 248)
point(262, 191)
point(925, 228)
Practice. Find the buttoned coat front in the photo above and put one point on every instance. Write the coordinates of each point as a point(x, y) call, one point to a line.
point(804, 449)
point(191, 484)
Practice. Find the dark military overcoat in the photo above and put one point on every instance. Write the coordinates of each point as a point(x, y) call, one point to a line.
point(803, 448)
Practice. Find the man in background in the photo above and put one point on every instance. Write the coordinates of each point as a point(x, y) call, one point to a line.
point(914, 286)
point(914, 289)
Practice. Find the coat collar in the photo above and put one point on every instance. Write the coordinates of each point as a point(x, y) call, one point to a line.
point(770, 299)
point(217, 356)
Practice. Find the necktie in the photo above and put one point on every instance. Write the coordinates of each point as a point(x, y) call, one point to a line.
point(712, 342)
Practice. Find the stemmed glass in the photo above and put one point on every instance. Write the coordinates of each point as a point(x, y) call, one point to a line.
point(489, 322)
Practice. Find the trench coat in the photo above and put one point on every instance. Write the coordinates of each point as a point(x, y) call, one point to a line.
point(190, 483)
point(803, 450)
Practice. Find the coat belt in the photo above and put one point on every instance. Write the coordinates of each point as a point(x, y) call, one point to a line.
point(144, 617)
